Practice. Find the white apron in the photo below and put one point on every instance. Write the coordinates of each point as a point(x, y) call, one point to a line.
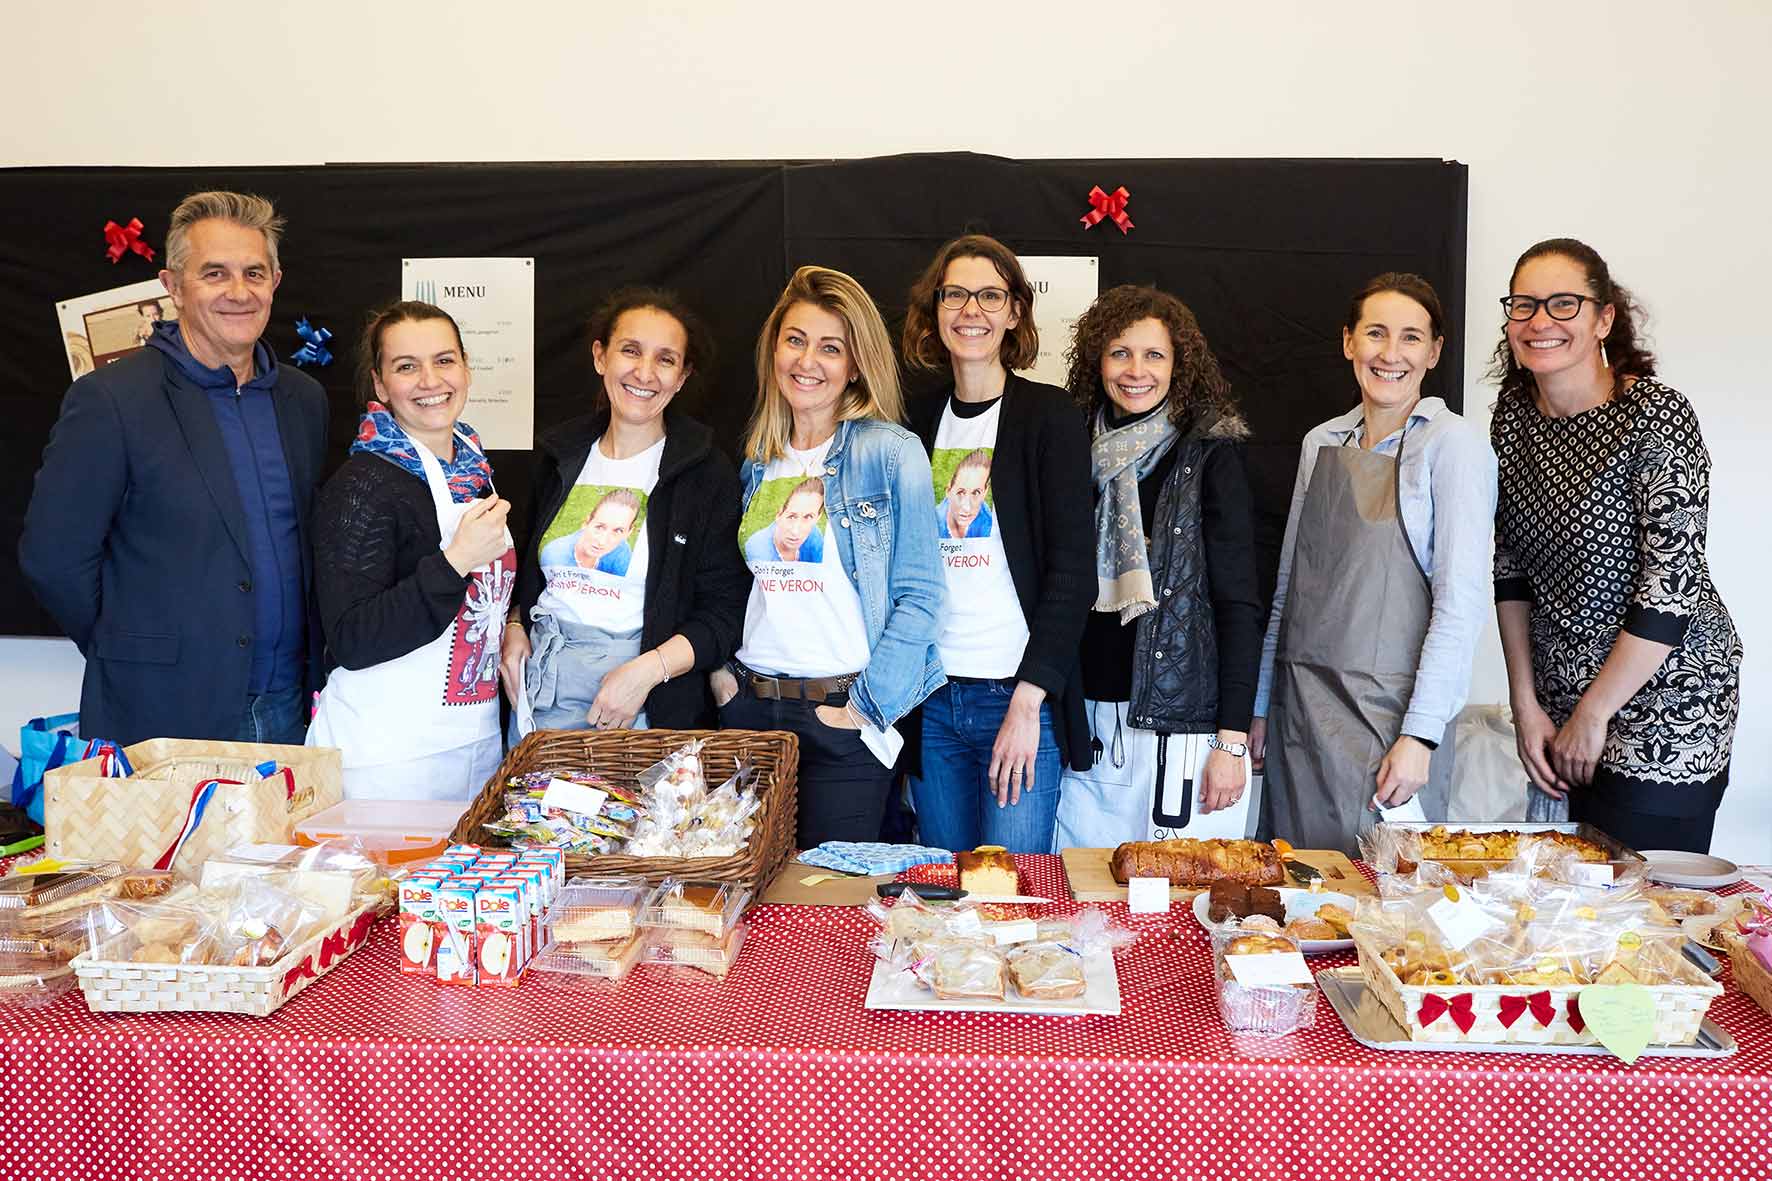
point(425, 725)
point(1144, 786)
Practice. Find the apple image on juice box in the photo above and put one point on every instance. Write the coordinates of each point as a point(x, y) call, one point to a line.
point(457, 953)
point(502, 926)
point(420, 927)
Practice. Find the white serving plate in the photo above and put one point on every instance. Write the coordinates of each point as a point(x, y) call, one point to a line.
point(1699, 870)
point(894, 988)
point(1299, 903)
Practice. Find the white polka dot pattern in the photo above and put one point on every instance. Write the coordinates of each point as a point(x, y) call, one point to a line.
point(780, 1074)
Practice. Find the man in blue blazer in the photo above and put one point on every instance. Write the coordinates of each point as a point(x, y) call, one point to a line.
point(167, 532)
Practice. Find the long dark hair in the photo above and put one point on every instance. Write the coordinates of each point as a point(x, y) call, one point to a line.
point(1626, 351)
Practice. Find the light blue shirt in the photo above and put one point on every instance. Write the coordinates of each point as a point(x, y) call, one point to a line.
point(1448, 499)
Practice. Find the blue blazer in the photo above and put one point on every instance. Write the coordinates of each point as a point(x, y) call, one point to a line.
point(135, 542)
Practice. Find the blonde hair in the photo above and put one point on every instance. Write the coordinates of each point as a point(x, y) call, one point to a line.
point(620, 498)
point(243, 209)
point(875, 394)
point(978, 457)
point(811, 484)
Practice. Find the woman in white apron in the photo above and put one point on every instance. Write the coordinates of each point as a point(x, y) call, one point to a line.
point(1383, 587)
point(1171, 647)
point(413, 573)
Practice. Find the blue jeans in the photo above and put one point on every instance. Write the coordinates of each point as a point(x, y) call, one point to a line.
point(956, 808)
point(276, 717)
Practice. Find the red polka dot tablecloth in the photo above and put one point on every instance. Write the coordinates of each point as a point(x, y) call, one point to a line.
point(780, 1073)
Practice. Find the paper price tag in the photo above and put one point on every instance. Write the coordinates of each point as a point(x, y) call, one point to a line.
point(1014, 931)
point(1459, 922)
point(1269, 968)
point(966, 922)
point(1147, 895)
point(1588, 873)
point(574, 797)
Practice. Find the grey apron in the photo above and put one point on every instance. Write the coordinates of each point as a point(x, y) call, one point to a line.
point(1356, 614)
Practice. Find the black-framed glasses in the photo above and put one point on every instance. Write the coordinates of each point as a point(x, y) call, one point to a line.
point(990, 299)
point(1564, 305)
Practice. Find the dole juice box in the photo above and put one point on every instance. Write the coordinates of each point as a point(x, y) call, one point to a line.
point(555, 856)
point(540, 888)
point(421, 924)
point(501, 920)
point(457, 953)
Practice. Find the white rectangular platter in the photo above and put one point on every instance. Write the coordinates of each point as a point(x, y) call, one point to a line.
point(893, 988)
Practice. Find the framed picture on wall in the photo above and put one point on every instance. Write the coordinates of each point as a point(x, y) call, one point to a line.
point(107, 326)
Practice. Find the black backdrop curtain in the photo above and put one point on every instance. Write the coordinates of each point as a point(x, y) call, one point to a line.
point(1266, 252)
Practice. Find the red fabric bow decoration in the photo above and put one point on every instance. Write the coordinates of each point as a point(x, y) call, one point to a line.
point(1539, 1002)
point(1575, 1021)
point(1108, 205)
point(123, 239)
point(1434, 1007)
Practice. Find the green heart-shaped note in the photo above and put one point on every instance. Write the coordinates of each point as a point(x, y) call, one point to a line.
point(1622, 1016)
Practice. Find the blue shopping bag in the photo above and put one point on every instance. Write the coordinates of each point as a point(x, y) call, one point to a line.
point(43, 744)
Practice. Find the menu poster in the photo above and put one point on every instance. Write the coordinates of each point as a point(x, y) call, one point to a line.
point(107, 326)
point(493, 302)
point(1064, 287)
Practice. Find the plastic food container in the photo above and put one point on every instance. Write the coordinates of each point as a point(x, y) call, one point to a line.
point(711, 908)
point(596, 910)
point(397, 831)
point(588, 965)
point(694, 954)
point(1260, 1008)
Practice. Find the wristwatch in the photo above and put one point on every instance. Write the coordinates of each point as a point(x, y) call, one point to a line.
point(1234, 749)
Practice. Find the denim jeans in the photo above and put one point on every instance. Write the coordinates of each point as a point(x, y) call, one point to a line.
point(956, 808)
point(274, 717)
point(842, 786)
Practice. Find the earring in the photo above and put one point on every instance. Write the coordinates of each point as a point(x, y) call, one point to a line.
point(1604, 363)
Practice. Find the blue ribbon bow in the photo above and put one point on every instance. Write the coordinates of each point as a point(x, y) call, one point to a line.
point(314, 351)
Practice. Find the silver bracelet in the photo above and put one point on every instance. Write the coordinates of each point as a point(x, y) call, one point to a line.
point(659, 652)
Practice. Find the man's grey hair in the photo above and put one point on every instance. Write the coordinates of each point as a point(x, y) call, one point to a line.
point(243, 209)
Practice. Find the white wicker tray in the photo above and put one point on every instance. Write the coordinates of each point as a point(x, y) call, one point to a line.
point(118, 986)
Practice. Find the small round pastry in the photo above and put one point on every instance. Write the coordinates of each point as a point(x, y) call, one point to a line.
point(1311, 928)
point(1260, 922)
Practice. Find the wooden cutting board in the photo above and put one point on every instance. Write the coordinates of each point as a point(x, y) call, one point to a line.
point(1086, 871)
point(790, 887)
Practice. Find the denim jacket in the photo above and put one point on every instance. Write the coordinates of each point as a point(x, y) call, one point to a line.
point(881, 502)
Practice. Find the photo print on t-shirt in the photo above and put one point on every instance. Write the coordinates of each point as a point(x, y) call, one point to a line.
point(593, 535)
point(785, 523)
point(964, 510)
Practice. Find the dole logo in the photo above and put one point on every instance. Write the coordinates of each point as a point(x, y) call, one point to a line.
point(458, 903)
point(495, 904)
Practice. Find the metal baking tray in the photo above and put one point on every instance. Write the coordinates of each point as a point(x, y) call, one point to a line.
point(1622, 856)
point(1372, 1025)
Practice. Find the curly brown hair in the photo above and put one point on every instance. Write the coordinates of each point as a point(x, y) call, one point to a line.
point(1626, 351)
point(922, 343)
point(1197, 388)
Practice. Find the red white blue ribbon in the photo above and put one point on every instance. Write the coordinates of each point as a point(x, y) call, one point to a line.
point(201, 795)
point(112, 762)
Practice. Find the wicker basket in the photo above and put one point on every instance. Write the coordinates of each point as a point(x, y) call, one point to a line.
point(118, 986)
point(1751, 976)
point(135, 820)
point(1679, 1008)
point(621, 755)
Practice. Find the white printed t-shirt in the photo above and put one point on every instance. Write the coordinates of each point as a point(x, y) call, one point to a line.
point(983, 632)
point(804, 615)
point(594, 554)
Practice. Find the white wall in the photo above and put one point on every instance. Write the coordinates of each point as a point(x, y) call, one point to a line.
point(1635, 125)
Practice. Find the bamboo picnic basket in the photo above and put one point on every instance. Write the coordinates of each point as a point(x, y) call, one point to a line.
point(135, 819)
point(620, 756)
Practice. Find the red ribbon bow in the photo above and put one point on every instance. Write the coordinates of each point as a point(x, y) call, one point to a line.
point(1108, 205)
point(123, 239)
point(1575, 1021)
point(1433, 1007)
point(1539, 1002)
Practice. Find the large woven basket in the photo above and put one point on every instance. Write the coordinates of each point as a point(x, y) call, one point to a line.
point(119, 986)
point(620, 755)
point(1679, 1008)
point(136, 820)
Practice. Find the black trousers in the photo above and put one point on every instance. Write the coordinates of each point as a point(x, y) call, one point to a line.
point(843, 787)
point(1644, 830)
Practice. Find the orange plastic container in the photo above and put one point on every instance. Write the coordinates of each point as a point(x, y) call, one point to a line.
point(397, 831)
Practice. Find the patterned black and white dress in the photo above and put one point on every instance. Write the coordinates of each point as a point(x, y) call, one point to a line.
point(1601, 526)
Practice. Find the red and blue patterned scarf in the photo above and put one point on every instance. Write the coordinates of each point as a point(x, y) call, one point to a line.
point(468, 474)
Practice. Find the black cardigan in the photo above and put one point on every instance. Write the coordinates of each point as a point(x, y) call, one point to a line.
point(696, 582)
point(1044, 495)
point(383, 587)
